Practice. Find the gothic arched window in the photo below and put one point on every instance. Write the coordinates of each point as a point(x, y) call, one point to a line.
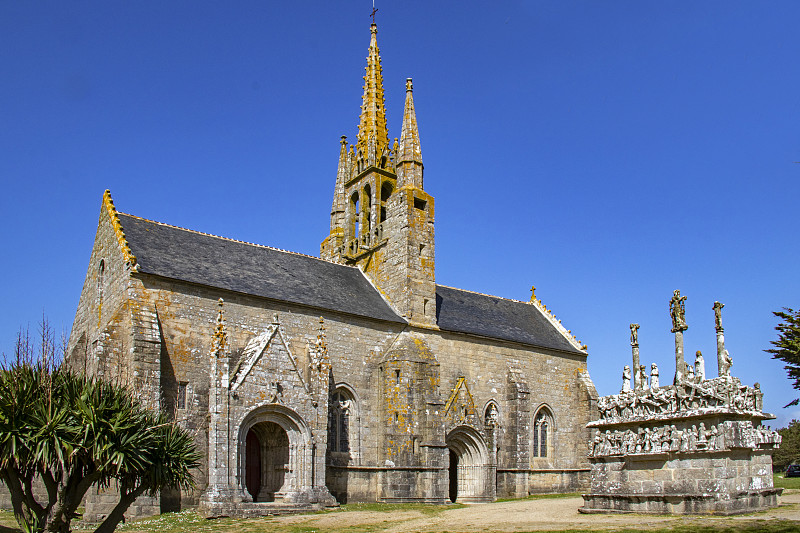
point(542, 433)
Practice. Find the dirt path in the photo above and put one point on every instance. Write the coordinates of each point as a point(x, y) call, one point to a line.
point(525, 515)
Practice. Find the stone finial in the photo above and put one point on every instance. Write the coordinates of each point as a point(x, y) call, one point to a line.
point(533, 293)
point(220, 339)
point(677, 310)
point(321, 332)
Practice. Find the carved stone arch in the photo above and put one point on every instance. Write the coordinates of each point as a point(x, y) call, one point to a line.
point(470, 466)
point(344, 425)
point(543, 441)
point(274, 421)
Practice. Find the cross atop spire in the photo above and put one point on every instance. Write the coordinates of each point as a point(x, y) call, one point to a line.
point(373, 137)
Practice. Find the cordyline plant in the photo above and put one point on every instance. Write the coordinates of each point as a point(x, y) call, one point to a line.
point(68, 432)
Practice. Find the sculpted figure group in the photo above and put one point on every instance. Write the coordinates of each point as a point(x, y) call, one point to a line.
point(674, 400)
point(668, 438)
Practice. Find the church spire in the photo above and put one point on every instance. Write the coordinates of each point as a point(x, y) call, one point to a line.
point(373, 137)
point(337, 210)
point(410, 155)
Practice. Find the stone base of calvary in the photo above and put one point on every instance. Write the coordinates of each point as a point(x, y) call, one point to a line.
point(693, 447)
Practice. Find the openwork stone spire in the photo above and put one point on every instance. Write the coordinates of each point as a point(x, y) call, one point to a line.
point(410, 156)
point(373, 137)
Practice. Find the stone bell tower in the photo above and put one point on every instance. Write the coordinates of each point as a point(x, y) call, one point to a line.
point(381, 218)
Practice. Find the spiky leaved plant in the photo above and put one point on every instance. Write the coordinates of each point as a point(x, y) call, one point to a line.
point(71, 432)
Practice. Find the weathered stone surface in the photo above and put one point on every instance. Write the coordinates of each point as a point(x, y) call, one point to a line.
point(405, 390)
point(693, 447)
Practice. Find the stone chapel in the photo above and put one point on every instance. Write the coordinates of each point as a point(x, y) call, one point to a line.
point(352, 377)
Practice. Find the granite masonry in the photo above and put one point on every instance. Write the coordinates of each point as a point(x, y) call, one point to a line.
point(696, 446)
point(352, 377)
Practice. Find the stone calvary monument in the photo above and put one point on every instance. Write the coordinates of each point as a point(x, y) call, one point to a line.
point(696, 446)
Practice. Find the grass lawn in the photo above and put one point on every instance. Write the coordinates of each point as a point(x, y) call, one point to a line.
point(190, 521)
point(786, 483)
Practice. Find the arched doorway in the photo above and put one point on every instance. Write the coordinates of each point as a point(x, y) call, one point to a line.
point(469, 466)
point(275, 455)
point(266, 460)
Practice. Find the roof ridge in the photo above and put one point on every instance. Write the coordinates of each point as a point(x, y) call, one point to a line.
point(233, 240)
point(482, 294)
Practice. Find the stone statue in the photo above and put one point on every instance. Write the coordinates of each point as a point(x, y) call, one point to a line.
point(689, 372)
point(699, 366)
point(634, 334)
point(677, 310)
point(643, 377)
point(654, 376)
point(725, 364)
point(626, 379)
point(718, 315)
point(491, 415)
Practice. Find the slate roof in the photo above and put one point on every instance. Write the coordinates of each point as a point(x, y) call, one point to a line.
point(194, 257)
point(247, 268)
point(497, 318)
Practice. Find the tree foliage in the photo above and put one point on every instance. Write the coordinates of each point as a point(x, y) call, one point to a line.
point(787, 347)
point(789, 452)
point(68, 432)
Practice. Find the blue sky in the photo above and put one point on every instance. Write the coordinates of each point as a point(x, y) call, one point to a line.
point(606, 152)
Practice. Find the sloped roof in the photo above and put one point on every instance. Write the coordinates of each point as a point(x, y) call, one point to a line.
point(497, 318)
point(194, 257)
point(186, 255)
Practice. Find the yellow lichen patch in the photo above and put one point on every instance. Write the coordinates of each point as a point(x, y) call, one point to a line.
point(115, 222)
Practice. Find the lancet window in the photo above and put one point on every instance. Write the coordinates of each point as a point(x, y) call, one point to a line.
point(542, 433)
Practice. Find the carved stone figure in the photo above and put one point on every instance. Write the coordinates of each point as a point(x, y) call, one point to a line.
point(634, 334)
point(702, 437)
point(689, 372)
point(712, 439)
point(643, 377)
point(677, 310)
point(699, 366)
point(491, 415)
point(718, 315)
point(654, 376)
point(626, 379)
point(726, 363)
